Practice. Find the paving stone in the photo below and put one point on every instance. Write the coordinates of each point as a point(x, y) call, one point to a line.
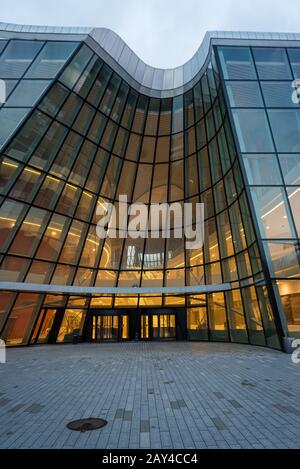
point(153, 395)
point(145, 426)
point(235, 403)
point(218, 423)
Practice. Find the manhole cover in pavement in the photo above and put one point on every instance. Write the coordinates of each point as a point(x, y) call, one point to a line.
point(86, 425)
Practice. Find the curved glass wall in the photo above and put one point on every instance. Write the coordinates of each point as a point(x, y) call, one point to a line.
point(91, 138)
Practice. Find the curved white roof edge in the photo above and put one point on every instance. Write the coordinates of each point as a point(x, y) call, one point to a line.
point(151, 80)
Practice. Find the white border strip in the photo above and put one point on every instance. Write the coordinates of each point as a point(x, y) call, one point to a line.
point(77, 290)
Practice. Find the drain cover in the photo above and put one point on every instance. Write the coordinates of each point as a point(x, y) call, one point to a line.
point(86, 425)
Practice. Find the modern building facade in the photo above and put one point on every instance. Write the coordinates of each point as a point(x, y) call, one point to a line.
point(85, 120)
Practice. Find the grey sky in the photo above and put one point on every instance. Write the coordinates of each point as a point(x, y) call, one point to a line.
point(164, 33)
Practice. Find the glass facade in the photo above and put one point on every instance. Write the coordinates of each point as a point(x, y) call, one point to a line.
point(267, 124)
point(76, 134)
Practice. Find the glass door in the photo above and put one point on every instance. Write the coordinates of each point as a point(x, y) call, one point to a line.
point(158, 325)
point(167, 328)
point(110, 327)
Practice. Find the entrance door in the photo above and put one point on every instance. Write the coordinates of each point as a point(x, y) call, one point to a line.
point(110, 327)
point(158, 326)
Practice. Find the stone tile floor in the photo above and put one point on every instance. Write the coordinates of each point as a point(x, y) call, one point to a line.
point(157, 395)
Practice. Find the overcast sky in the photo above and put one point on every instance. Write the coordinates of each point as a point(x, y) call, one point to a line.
point(164, 33)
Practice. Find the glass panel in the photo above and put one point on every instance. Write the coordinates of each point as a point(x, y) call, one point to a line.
point(119, 102)
point(85, 206)
point(236, 318)
point(126, 301)
point(176, 189)
point(272, 212)
point(177, 114)
point(290, 297)
point(39, 272)
point(66, 156)
point(74, 239)
point(70, 109)
point(50, 144)
point(111, 177)
point(175, 277)
point(53, 238)
point(51, 59)
point(283, 259)
point(129, 279)
point(152, 117)
point(82, 164)
point(54, 98)
point(144, 326)
point(142, 184)
point(154, 254)
point(2, 45)
point(106, 278)
point(98, 88)
point(271, 63)
point(13, 269)
point(30, 232)
point(147, 150)
point(225, 235)
point(124, 327)
point(72, 324)
point(271, 335)
point(90, 253)
point(262, 169)
point(126, 181)
point(17, 57)
point(133, 147)
point(204, 170)
point(76, 67)
point(49, 192)
point(10, 119)
point(10, 214)
point(278, 94)
point(109, 95)
point(165, 117)
point(244, 94)
point(290, 166)
point(84, 119)
point(140, 114)
point(253, 317)
point(8, 171)
point(111, 253)
point(46, 326)
point(30, 134)
point(237, 62)
point(95, 177)
point(197, 324)
point(152, 278)
point(213, 273)
point(26, 184)
point(294, 55)
point(285, 125)
point(294, 199)
point(217, 317)
point(191, 176)
point(68, 200)
point(27, 93)
point(20, 321)
point(160, 183)
point(87, 78)
point(253, 130)
point(133, 253)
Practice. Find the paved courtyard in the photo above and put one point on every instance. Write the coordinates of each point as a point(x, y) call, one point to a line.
point(158, 395)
